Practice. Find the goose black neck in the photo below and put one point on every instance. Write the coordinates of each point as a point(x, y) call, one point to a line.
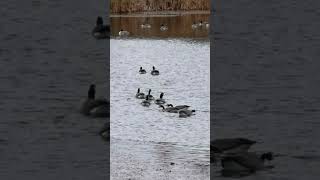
point(92, 92)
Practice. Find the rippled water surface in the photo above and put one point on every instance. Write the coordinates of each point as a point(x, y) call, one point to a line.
point(147, 143)
point(266, 82)
point(47, 61)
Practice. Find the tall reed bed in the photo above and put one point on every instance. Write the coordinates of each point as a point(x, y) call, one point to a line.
point(129, 6)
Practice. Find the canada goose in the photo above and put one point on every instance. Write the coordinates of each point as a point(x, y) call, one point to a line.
point(231, 145)
point(146, 102)
point(179, 106)
point(123, 33)
point(245, 162)
point(145, 26)
point(194, 25)
point(140, 95)
point(185, 113)
point(149, 96)
point(95, 107)
point(163, 27)
point(105, 132)
point(100, 31)
point(160, 100)
point(142, 71)
point(200, 23)
point(169, 109)
point(154, 72)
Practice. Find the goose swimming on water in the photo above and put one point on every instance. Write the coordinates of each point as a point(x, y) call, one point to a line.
point(123, 33)
point(142, 71)
point(145, 26)
point(149, 96)
point(139, 94)
point(101, 31)
point(154, 72)
point(146, 102)
point(95, 107)
point(160, 100)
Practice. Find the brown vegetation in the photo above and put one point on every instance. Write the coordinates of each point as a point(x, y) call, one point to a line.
point(130, 6)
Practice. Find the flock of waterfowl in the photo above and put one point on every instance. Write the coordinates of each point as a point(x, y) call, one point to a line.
point(235, 158)
point(164, 27)
point(182, 110)
point(101, 31)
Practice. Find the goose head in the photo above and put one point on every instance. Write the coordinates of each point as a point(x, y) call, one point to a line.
point(169, 105)
point(138, 90)
point(149, 92)
point(153, 68)
point(92, 91)
point(140, 68)
point(161, 95)
point(162, 107)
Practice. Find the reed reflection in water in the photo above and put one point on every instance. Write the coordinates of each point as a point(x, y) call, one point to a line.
point(178, 26)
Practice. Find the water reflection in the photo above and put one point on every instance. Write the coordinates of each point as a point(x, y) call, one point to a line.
point(178, 26)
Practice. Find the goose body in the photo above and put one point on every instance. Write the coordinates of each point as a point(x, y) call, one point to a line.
point(101, 32)
point(140, 95)
point(163, 28)
point(100, 111)
point(248, 161)
point(123, 33)
point(179, 107)
point(146, 102)
point(185, 113)
point(95, 107)
point(154, 72)
point(231, 145)
point(142, 71)
point(145, 26)
point(160, 100)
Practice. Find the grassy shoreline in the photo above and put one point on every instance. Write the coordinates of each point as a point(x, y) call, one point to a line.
point(132, 6)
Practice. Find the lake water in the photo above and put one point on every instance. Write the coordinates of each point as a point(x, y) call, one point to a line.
point(48, 59)
point(266, 82)
point(147, 143)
